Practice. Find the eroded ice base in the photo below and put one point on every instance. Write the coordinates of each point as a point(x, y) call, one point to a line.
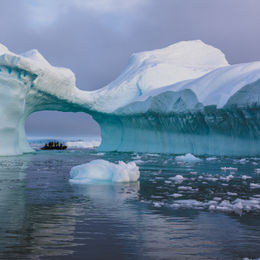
point(211, 131)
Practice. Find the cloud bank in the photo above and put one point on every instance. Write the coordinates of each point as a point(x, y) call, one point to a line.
point(96, 37)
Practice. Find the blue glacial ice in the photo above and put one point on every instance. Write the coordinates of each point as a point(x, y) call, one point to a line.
point(181, 99)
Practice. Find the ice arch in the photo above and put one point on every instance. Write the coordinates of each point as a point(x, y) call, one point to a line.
point(58, 124)
point(183, 98)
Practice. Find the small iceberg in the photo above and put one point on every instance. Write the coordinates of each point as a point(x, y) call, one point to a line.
point(187, 158)
point(177, 179)
point(101, 171)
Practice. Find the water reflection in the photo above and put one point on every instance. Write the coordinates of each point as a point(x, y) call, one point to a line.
point(43, 216)
point(108, 194)
point(31, 229)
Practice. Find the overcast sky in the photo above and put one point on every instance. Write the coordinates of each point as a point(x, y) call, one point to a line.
point(94, 38)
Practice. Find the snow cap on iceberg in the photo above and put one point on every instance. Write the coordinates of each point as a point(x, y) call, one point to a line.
point(59, 82)
point(151, 70)
point(3, 49)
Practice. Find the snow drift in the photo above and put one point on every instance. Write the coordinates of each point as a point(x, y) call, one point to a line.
point(184, 98)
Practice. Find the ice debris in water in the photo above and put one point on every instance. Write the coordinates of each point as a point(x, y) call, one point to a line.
point(178, 178)
point(237, 206)
point(226, 178)
point(254, 185)
point(211, 158)
point(228, 169)
point(100, 171)
point(257, 171)
point(176, 195)
point(231, 193)
point(187, 158)
point(245, 177)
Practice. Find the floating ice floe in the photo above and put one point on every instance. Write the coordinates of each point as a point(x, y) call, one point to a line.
point(178, 178)
point(101, 171)
point(226, 178)
point(176, 195)
point(187, 188)
point(231, 193)
point(245, 177)
point(254, 185)
point(211, 179)
point(237, 206)
point(257, 171)
point(228, 169)
point(187, 158)
point(211, 158)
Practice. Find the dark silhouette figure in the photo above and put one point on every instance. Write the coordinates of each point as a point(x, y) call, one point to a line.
point(54, 146)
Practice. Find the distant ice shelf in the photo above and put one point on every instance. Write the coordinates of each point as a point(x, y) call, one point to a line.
point(181, 99)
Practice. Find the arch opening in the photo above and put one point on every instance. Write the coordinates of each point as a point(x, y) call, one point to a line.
point(78, 130)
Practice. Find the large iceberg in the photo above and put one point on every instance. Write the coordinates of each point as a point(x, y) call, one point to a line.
point(184, 98)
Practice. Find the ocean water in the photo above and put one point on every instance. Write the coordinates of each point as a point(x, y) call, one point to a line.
point(180, 208)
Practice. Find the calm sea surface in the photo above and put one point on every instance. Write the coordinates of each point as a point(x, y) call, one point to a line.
point(208, 212)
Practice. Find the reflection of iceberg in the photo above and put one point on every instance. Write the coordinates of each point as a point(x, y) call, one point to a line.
point(185, 98)
point(108, 194)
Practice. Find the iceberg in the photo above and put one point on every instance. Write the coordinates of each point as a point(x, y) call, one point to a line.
point(185, 98)
point(101, 171)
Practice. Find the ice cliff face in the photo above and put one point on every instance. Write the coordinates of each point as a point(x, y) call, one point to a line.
point(180, 99)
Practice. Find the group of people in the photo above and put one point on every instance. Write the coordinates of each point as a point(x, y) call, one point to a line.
point(54, 146)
